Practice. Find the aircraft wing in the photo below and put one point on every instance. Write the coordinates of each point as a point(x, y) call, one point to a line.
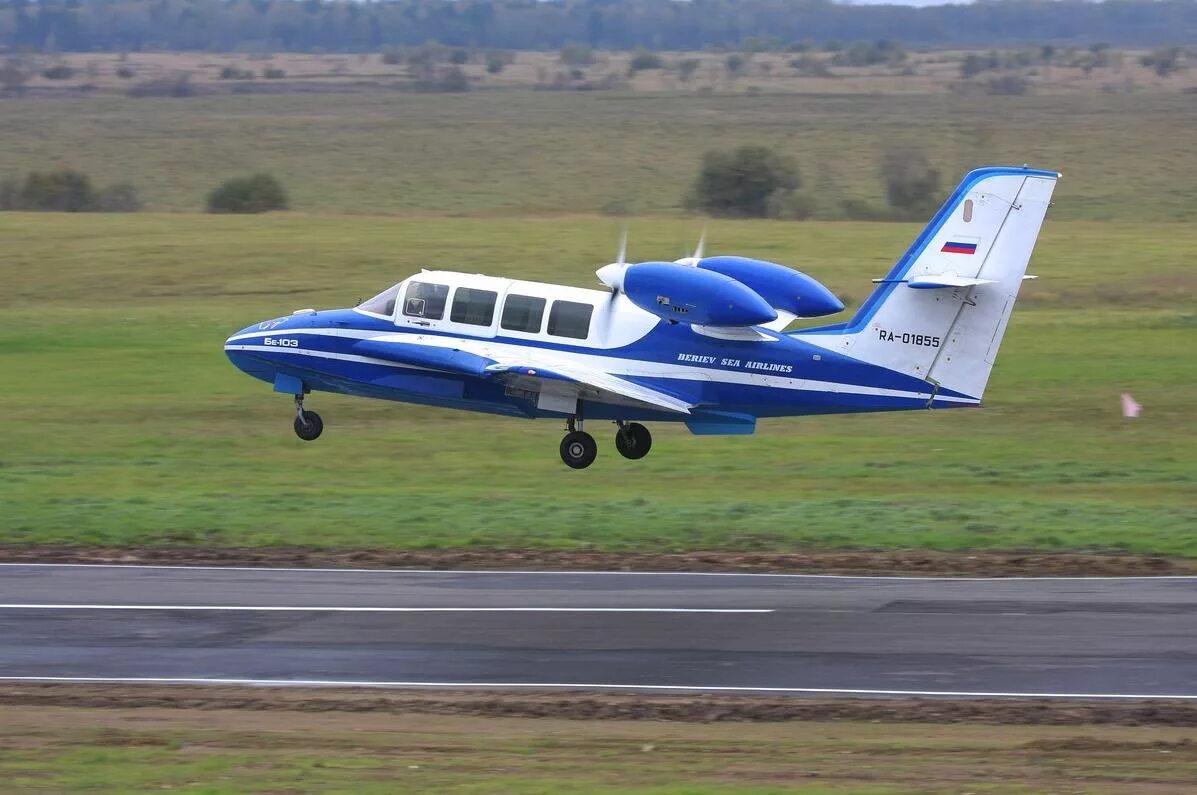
point(594, 378)
point(481, 359)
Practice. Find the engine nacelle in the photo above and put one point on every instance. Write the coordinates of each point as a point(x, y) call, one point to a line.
point(692, 295)
point(783, 288)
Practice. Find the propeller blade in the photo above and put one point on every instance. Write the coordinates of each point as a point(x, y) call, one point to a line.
point(696, 257)
point(623, 248)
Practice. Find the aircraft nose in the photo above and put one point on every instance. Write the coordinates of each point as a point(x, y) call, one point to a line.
point(238, 347)
point(238, 337)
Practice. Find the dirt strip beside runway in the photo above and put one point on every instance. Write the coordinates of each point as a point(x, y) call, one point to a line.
point(980, 564)
point(609, 706)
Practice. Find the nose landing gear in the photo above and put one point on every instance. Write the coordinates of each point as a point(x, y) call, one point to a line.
point(308, 425)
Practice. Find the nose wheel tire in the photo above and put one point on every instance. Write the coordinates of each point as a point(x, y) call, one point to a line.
point(578, 449)
point(309, 426)
point(633, 441)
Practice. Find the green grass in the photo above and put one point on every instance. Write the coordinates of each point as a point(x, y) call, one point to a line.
point(126, 751)
point(125, 424)
point(1125, 156)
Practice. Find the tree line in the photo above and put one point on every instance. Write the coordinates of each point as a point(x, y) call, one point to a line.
point(70, 191)
point(349, 25)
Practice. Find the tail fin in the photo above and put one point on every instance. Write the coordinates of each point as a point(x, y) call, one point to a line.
point(941, 312)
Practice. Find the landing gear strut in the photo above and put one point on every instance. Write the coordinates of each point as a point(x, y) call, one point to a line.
point(308, 425)
point(578, 448)
point(632, 440)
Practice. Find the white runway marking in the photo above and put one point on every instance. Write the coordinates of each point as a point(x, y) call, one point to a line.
point(344, 609)
point(585, 686)
point(508, 572)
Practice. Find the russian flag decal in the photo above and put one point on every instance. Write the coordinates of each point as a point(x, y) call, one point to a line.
point(952, 247)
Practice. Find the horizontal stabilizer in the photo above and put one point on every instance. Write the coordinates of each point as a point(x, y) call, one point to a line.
point(935, 281)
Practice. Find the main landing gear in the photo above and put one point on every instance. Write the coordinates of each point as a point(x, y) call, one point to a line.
point(633, 440)
point(308, 425)
point(578, 448)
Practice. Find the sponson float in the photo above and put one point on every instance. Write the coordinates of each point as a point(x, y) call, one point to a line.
point(701, 340)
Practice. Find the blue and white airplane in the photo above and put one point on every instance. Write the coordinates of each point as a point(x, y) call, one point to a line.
point(701, 340)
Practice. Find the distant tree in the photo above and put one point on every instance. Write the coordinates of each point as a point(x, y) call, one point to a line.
point(973, 65)
point(644, 60)
point(687, 67)
point(1164, 62)
point(747, 182)
point(273, 73)
point(863, 53)
point(428, 55)
point(124, 72)
point(1008, 85)
point(392, 57)
point(448, 80)
point(734, 63)
point(235, 73)
point(58, 71)
point(177, 85)
point(66, 191)
point(811, 66)
point(258, 193)
point(459, 56)
point(10, 195)
point(911, 184)
point(497, 60)
point(576, 55)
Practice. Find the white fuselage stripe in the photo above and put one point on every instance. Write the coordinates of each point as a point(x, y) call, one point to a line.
point(340, 357)
point(610, 364)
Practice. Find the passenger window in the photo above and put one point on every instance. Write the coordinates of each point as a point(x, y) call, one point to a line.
point(426, 300)
point(570, 319)
point(522, 313)
point(473, 307)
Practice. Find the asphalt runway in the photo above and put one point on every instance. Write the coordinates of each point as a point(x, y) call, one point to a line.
point(1062, 637)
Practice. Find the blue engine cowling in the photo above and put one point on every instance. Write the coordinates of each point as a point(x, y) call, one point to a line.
point(782, 288)
point(694, 296)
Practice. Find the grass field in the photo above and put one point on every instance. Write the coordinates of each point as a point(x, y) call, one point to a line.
point(1125, 156)
point(139, 750)
point(125, 424)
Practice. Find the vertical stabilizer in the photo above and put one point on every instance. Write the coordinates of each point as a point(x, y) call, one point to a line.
point(941, 312)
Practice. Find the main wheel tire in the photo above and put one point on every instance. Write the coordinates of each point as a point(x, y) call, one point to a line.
point(633, 441)
point(310, 427)
point(578, 449)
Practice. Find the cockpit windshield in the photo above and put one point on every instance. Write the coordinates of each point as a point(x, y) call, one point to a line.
point(383, 303)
